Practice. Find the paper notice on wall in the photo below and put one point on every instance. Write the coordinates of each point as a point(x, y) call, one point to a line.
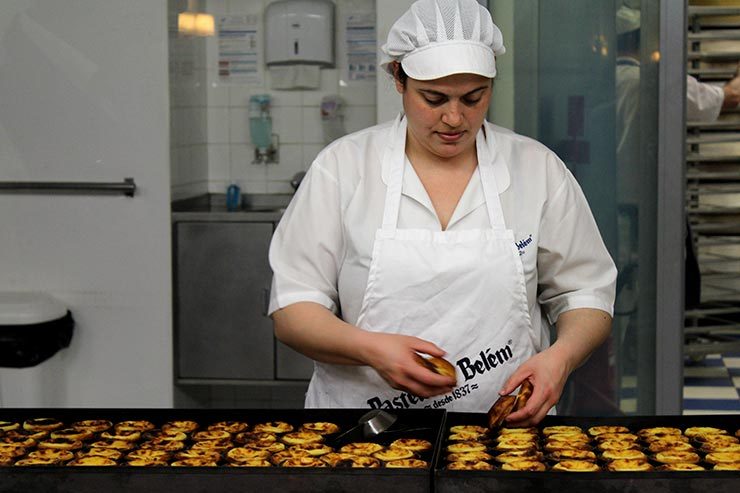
point(361, 43)
point(239, 49)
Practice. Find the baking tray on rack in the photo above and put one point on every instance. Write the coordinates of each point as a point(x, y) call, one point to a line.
point(449, 481)
point(424, 424)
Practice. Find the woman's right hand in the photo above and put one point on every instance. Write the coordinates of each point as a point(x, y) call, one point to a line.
point(317, 332)
point(393, 357)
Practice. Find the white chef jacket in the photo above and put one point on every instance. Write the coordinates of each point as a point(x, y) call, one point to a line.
point(322, 248)
point(629, 162)
point(703, 103)
point(703, 100)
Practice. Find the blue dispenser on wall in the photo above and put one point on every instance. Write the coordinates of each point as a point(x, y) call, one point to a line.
point(260, 130)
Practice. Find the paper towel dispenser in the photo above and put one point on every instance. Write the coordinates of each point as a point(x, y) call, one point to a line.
point(299, 32)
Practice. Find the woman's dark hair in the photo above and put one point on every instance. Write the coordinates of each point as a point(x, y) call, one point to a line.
point(399, 74)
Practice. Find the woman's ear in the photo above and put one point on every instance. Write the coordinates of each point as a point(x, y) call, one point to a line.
point(395, 66)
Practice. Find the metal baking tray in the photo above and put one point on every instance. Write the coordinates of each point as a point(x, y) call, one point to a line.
point(446, 481)
point(422, 423)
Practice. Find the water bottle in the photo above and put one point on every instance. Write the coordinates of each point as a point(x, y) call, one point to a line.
point(233, 198)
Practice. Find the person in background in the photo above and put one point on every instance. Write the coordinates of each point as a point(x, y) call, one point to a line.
point(704, 101)
point(440, 234)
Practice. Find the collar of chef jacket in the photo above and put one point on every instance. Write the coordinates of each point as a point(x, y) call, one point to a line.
point(473, 196)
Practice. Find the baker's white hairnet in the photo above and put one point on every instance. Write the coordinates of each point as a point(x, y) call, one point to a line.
point(437, 38)
point(628, 16)
point(628, 19)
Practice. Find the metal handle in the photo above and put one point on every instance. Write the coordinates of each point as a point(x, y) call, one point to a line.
point(696, 10)
point(127, 187)
point(729, 56)
point(714, 35)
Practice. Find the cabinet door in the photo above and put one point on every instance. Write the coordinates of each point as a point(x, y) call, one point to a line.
point(222, 277)
point(291, 365)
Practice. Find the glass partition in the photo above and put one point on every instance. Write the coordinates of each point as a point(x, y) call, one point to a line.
point(586, 83)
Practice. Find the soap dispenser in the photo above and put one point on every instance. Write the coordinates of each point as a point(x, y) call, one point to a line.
point(260, 129)
point(332, 118)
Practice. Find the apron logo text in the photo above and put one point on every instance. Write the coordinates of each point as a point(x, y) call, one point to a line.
point(521, 244)
point(487, 362)
point(457, 393)
point(402, 401)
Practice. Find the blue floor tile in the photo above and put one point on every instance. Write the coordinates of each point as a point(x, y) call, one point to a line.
point(712, 404)
point(628, 393)
point(717, 365)
point(707, 382)
point(711, 362)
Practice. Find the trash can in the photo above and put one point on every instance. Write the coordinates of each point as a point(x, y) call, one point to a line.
point(33, 327)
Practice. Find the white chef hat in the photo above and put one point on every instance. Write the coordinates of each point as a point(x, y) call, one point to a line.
point(628, 16)
point(437, 38)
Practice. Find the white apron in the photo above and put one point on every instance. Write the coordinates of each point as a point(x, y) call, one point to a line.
point(462, 290)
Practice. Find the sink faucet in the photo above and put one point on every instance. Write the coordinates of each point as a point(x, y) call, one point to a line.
point(295, 182)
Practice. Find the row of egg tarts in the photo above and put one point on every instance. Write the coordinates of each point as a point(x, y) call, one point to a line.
point(610, 448)
point(47, 441)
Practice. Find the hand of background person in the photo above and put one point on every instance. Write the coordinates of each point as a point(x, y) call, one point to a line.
point(393, 357)
point(732, 91)
point(548, 373)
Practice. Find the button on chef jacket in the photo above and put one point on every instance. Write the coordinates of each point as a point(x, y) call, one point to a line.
point(322, 248)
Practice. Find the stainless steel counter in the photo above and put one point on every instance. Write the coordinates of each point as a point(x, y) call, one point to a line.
point(212, 207)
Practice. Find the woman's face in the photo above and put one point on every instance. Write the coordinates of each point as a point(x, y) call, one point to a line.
point(444, 115)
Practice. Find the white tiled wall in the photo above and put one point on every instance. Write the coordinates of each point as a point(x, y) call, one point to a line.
point(189, 131)
point(210, 134)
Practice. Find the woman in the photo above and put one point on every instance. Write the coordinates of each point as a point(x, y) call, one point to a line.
point(440, 234)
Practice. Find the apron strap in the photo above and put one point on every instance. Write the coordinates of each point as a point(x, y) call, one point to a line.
point(395, 156)
point(488, 180)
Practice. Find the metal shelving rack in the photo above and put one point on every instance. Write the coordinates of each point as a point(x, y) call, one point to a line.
point(713, 187)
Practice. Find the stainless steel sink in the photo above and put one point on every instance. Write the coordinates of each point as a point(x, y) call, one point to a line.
point(248, 208)
point(213, 206)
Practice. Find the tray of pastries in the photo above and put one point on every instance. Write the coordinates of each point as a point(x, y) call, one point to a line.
point(619, 450)
point(280, 446)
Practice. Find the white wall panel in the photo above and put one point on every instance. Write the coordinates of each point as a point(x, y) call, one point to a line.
point(388, 100)
point(84, 97)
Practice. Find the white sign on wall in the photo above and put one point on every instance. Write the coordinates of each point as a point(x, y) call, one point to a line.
point(361, 42)
point(239, 49)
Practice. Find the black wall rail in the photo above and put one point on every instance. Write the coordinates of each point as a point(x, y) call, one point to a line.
point(127, 187)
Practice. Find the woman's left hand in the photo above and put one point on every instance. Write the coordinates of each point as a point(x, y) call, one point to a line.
point(580, 331)
point(548, 373)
